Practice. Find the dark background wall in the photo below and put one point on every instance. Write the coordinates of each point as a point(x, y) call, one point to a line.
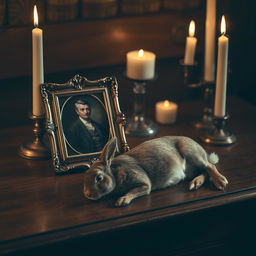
point(242, 49)
point(96, 48)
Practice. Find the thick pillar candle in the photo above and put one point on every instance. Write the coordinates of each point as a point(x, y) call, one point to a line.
point(38, 66)
point(222, 66)
point(210, 34)
point(140, 65)
point(166, 112)
point(191, 41)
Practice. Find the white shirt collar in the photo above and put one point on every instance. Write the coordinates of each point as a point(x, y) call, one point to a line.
point(87, 124)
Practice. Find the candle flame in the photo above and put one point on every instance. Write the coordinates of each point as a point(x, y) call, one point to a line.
point(166, 103)
point(35, 16)
point(223, 25)
point(140, 53)
point(192, 28)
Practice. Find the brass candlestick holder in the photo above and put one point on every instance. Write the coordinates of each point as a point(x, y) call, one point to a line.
point(36, 149)
point(191, 81)
point(138, 125)
point(219, 135)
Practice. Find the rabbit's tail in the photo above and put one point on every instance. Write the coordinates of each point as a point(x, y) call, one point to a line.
point(213, 158)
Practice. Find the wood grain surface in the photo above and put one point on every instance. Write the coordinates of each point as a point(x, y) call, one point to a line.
point(39, 208)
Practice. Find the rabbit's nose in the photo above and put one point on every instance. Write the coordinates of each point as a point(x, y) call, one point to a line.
point(92, 195)
point(88, 194)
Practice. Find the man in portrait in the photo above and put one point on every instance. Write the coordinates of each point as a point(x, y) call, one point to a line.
point(86, 135)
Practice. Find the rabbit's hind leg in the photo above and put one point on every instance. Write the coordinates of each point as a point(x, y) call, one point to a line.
point(218, 179)
point(197, 157)
point(197, 182)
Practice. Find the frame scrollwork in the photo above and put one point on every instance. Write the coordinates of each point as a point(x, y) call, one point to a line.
point(53, 94)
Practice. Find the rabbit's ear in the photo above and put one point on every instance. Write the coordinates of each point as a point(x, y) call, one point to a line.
point(109, 151)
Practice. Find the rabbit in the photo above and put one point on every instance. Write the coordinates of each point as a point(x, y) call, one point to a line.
point(154, 164)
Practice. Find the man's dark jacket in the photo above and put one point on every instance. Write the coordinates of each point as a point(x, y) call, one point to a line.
point(81, 140)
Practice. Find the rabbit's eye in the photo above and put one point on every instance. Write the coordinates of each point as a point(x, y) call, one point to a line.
point(99, 178)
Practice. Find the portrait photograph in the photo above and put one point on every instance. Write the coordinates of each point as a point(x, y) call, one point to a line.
point(81, 117)
point(85, 123)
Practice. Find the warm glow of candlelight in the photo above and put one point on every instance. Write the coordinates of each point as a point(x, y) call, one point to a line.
point(140, 53)
point(192, 28)
point(35, 16)
point(38, 66)
point(166, 103)
point(223, 25)
point(166, 112)
point(140, 65)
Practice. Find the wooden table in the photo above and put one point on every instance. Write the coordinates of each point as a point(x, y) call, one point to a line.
point(43, 213)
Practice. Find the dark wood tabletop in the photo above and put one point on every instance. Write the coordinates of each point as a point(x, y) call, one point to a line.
point(38, 208)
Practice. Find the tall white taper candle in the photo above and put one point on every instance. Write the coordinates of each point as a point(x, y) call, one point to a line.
point(38, 66)
point(191, 41)
point(210, 34)
point(222, 66)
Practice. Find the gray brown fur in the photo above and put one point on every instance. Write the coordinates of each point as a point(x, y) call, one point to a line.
point(154, 164)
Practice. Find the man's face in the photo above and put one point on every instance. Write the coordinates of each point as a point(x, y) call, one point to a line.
point(83, 111)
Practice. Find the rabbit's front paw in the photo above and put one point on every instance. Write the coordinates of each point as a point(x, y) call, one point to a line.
point(123, 201)
point(220, 181)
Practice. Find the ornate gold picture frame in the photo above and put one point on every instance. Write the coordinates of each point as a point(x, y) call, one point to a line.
point(81, 116)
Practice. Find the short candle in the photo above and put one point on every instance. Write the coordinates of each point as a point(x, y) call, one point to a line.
point(140, 65)
point(166, 112)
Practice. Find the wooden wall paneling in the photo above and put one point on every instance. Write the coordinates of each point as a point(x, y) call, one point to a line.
point(85, 44)
point(58, 10)
point(20, 12)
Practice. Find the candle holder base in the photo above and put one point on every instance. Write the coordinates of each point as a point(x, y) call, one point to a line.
point(35, 149)
point(218, 135)
point(140, 127)
point(206, 121)
point(191, 81)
